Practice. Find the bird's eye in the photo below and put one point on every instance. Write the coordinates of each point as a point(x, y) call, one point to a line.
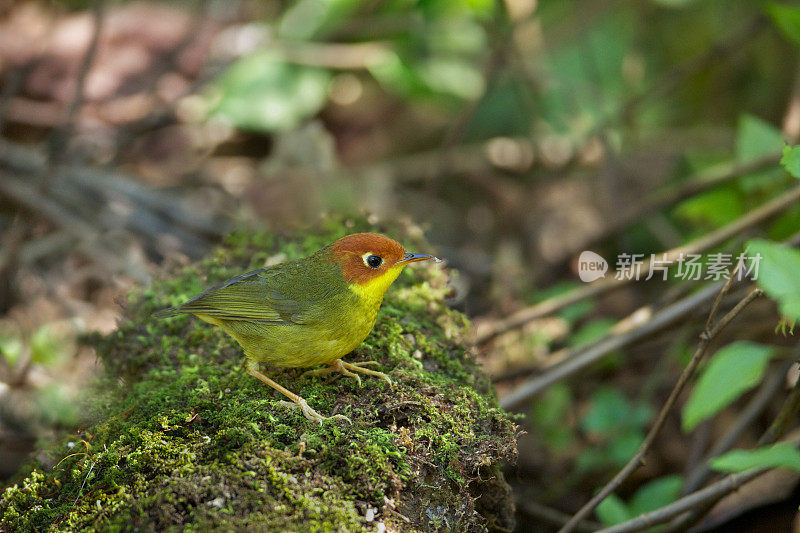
point(374, 261)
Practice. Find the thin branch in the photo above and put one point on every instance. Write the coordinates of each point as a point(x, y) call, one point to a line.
point(691, 508)
point(163, 214)
point(670, 257)
point(670, 194)
point(552, 516)
point(708, 335)
point(86, 235)
point(339, 56)
point(58, 138)
point(582, 357)
point(786, 416)
point(11, 86)
point(791, 119)
point(624, 333)
point(754, 408)
point(687, 503)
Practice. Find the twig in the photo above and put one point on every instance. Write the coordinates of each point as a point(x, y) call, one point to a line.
point(85, 233)
point(551, 515)
point(624, 333)
point(11, 86)
point(340, 56)
point(787, 414)
point(687, 503)
point(11, 243)
point(791, 120)
point(154, 214)
point(709, 334)
point(58, 138)
point(584, 356)
point(694, 506)
point(751, 411)
point(610, 282)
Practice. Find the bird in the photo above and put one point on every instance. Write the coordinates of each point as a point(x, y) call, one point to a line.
point(306, 312)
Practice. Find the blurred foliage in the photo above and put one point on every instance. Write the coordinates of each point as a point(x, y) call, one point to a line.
point(787, 20)
point(263, 92)
point(778, 275)
point(615, 427)
point(47, 345)
point(430, 49)
point(649, 497)
point(581, 110)
point(550, 414)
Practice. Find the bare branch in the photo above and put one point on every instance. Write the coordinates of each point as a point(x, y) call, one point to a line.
point(58, 138)
point(692, 507)
point(638, 459)
point(751, 411)
point(582, 357)
point(611, 282)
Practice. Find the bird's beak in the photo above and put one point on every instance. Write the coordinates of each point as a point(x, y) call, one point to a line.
point(413, 258)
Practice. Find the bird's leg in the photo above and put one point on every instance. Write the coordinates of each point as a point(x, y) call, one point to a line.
point(297, 400)
point(349, 369)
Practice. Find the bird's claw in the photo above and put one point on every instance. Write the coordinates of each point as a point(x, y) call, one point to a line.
point(349, 370)
point(311, 414)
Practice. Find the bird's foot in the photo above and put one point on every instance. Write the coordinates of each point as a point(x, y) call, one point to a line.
point(311, 414)
point(350, 369)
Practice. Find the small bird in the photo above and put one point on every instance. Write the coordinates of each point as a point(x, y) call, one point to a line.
point(306, 312)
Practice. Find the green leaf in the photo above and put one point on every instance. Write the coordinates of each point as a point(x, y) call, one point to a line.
point(624, 445)
point(656, 494)
point(607, 413)
point(778, 274)
point(717, 207)
point(591, 331)
point(549, 415)
point(613, 510)
point(612, 414)
point(11, 346)
point(261, 92)
point(787, 20)
point(734, 369)
point(781, 455)
point(756, 138)
point(791, 160)
point(306, 18)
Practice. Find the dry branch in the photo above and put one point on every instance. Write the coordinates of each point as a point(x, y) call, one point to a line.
point(710, 333)
point(669, 257)
point(699, 503)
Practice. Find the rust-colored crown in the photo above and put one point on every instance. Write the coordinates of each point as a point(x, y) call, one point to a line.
point(350, 251)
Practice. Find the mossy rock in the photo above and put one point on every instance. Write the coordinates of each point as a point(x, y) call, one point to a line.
point(183, 439)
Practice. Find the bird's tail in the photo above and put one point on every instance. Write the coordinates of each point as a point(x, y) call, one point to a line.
point(170, 311)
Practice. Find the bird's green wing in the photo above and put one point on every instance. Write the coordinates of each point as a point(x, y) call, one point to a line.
point(265, 295)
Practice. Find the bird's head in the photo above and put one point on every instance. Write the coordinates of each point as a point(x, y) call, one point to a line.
point(370, 262)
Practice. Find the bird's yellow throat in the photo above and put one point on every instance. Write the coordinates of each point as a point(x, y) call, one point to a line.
point(374, 289)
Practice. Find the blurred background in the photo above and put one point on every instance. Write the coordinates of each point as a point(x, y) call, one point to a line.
point(515, 134)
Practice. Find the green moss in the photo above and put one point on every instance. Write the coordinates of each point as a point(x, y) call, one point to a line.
point(184, 440)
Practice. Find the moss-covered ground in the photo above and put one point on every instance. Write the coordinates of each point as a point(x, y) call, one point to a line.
point(183, 439)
